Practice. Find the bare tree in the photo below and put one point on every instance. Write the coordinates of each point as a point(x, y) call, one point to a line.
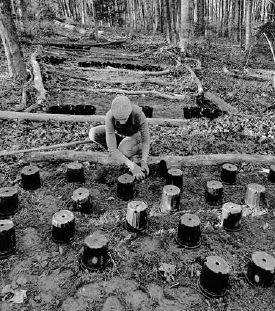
point(185, 30)
point(16, 65)
point(248, 10)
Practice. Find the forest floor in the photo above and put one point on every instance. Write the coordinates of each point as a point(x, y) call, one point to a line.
point(45, 278)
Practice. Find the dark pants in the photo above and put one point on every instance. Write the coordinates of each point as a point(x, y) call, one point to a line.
point(129, 145)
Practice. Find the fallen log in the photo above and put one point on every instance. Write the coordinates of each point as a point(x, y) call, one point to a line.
point(114, 79)
point(181, 161)
point(11, 115)
point(75, 45)
point(120, 91)
point(119, 63)
point(195, 79)
point(38, 84)
point(220, 103)
point(138, 72)
point(64, 145)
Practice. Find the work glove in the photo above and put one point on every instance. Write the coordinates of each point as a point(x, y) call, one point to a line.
point(137, 172)
point(144, 167)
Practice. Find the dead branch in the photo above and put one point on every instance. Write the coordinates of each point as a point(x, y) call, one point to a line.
point(38, 83)
point(247, 74)
point(181, 161)
point(270, 45)
point(64, 145)
point(220, 103)
point(195, 79)
point(120, 91)
point(11, 115)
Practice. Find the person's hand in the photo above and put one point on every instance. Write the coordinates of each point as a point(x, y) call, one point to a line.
point(137, 172)
point(144, 167)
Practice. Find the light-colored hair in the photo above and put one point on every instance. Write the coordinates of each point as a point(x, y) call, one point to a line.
point(121, 107)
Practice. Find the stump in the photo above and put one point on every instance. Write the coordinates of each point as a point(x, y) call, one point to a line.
point(271, 175)
point(261, 269)
point(95, 252)
point(148, 111)
point(126, 187)
point(63, 227)
point(30, 178)
point(229, 173)
point(214, 192)
point(7, 238)
point(170, 200)
point(214, 277)
point(75, 172)
point(255, 194)
point(82, 201)
point(231, 216)
point(136, 217)
point(189, 231)
point(8, 202)
point(174, 177)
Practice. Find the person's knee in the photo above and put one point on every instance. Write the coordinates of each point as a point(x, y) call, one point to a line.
point(126, 148)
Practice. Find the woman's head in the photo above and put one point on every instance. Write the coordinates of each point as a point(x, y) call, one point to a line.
point(121, 108)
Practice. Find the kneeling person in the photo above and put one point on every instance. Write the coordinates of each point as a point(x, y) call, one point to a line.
point(125, 134)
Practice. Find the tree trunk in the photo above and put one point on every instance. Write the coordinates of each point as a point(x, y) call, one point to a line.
point(248, 10)
point(185, 30)
point(199, 18)
point(95, 20)
point(225, 18)
point(16, 65)
point(237, 22)
point(168, 22)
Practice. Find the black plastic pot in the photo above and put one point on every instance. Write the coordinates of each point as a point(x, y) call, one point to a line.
point(8, 202)
point(214, 277)
point(75, 172)
point(95, 252)
point(189, 231)
point(126, 187)
point(148, 111)
point(271, 175)
point(261, 269)
point(136, 217)
point(7, 238)
point(175, 177)
point(30, 177)
point(77, 109)
point(229, 173)
point(170, 200)
point(82, 201)
point(214, 192)
point(232, 216)
point(163, 171)
point(63, 227)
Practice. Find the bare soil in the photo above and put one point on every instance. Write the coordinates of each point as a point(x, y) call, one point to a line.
point(51, 276)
